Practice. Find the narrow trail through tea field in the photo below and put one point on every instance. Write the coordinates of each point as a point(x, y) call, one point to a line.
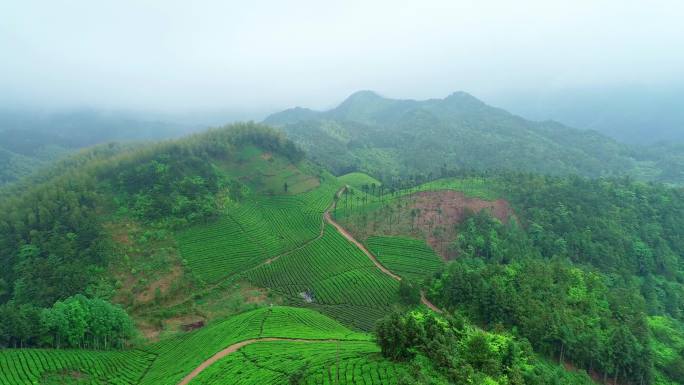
point(375, 261)
point(237, 346)
point(326, 218)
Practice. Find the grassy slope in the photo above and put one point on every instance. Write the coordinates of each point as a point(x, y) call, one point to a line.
point(358, 179)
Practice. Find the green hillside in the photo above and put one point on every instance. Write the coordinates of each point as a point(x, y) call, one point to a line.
point(389, 138)
point(228, 254)
point(358, 180)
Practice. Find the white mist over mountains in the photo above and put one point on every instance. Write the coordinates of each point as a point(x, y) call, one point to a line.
point(252, 58)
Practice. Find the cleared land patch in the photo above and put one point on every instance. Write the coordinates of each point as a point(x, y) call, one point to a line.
point(428, 215)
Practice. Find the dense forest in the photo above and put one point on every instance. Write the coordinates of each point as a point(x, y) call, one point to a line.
point(587, 271)
point(452, 348)
point(577, 273)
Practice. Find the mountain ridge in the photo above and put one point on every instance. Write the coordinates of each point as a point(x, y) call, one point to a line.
point(459, 129)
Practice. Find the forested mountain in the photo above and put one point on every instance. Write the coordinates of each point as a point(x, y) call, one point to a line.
point(389, 137)
point(30, 140)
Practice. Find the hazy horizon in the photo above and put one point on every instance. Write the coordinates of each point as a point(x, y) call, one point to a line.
point(266, 56)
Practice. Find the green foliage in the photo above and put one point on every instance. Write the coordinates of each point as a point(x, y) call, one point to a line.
point(616, 225)
point(77, 322)
point(409, 293)
point(563, 311)
point(172, 186)
point(668, 346)
point(14, 166)
point(51, 239)
point(450, 349)
point(385, 138)
point(483, 236)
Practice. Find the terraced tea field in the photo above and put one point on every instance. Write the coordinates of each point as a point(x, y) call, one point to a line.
point(410, 258)
point(177, 357)
point(252, 231)
point(50, 366)
point(339, 277)
point(277, 242)
point(322, 363)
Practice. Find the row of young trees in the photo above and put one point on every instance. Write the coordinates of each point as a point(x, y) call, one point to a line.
point(76, 322)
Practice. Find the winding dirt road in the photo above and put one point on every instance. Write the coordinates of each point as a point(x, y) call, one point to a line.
point(372, 257)
point(327, 218)
point(360, 246)
point(237, 346)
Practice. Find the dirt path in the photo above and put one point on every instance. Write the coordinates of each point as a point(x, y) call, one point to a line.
point(237, 346)
point(269, 260)
point(326, 218)
point(429, 304)
point(375, 261)
point(360, 246)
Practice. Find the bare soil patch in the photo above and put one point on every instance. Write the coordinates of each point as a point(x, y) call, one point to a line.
point(452, 206)
point(429, 215)
point(254, 294)
point(440, 211)
point(161, 285)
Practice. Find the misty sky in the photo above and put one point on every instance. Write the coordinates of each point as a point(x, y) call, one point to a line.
point(184, 55)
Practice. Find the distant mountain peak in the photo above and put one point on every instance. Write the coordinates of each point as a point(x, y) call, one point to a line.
point(462, 97)
point(363, 96)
